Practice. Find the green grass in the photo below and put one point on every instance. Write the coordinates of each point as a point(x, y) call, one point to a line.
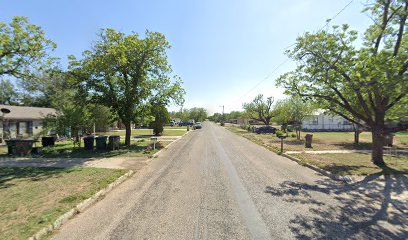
point(32, 198)
point(355, 163)
point(168, 131)
point(66, 149)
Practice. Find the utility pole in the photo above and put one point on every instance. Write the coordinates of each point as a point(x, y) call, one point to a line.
point(223, 118)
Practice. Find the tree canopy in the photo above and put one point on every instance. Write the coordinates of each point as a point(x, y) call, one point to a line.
point(260, 109)
point(366, 85)
point(292, 111)
point(126, 73)
point(23, 49)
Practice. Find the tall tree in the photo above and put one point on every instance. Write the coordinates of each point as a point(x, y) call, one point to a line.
point(366, 85)
point(292, 111)
point(260, 109)
point(198, 114)
point(23, 49)
point(121, 71)
point(8, 93)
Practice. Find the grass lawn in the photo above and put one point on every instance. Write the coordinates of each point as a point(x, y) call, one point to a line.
point(168, 131)
point(355, 163)
point(66, 149)
point(32, 198)
point(321, 140)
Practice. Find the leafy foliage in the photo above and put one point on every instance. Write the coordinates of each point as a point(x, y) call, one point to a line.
point(23, 49)
point(367, 86)
point(260, 109)
point(126, 72)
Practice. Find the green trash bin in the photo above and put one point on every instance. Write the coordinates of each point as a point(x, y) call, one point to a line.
point(101, 142)
point(89, 143)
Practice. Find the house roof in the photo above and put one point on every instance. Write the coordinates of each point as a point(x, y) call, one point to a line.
point(26, 113)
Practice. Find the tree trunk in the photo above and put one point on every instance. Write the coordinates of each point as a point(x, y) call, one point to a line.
point(356, 136)
point(378, 142)
point(298, 132)
point(128, 133)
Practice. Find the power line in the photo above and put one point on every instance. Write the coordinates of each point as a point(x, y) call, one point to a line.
point(287, 59)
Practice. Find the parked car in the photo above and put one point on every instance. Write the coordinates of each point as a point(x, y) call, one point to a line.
point(265, 129)
point(198, 125)
point(183, 123)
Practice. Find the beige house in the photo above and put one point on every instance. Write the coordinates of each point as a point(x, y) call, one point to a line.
point(22, 122)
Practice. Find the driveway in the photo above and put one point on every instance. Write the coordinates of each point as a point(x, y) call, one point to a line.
point(213, 184)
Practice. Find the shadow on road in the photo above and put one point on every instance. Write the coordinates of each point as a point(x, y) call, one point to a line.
point(370, 209)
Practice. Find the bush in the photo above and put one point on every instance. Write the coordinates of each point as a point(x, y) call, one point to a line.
point(222, 123)
point(293, 135)
point(280, 133)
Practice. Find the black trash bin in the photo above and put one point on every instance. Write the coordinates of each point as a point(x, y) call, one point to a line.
point(89, 142)
point(114, 142)
point(48, 141)
point(11, 146)
point(101, 142)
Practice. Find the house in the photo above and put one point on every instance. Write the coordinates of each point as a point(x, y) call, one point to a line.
point(320, 121)
point(22, 122)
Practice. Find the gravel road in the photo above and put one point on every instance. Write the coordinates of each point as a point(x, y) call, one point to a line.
point(212, 184)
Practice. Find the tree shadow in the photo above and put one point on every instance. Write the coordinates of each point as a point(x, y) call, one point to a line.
point(359, 210)
point(8, 174)
point(354, 146)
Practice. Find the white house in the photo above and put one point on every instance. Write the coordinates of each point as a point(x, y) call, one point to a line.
point(22, 121)
point(320, 121)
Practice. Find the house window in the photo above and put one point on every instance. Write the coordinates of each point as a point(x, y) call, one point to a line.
point(30, 128)
point(331, 119)
point(315, 120)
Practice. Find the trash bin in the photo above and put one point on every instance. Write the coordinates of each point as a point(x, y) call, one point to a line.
point(114, 142)
point(11, 146)
point(101, 142)
point(308, 139)
point(388, 140)
point(20, 147)
point(48, 141)
point(89, 142)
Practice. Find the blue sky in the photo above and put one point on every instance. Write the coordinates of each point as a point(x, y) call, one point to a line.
point(221, 49)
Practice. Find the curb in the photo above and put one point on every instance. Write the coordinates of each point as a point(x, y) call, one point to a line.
point(166, 147)
point(345, 179)
point(81, 207)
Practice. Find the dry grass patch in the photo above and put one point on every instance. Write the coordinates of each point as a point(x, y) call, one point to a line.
point(321, 141)
point(32, 198)
point(355, 163)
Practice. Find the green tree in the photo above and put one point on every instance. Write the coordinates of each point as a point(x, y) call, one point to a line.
point(216, 117)
point(161, 117)
point(8, 93)
point(292, 111)
point(233, 115)
point(260, 109)
point(122, 71)
point(197, 114)
point(23, 49)
point(366, 86)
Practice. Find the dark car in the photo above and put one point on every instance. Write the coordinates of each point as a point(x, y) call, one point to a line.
point(265, 129)
point(198, 125)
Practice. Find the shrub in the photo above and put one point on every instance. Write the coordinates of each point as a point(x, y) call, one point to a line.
point(293, 135)
point(280, 133)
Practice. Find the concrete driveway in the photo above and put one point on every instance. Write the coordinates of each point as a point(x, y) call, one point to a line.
point(213, 184)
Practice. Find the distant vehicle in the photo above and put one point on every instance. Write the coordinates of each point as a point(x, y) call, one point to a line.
point(265, 129)
point(172, 124)
point(198, 125)
point(183, 123)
